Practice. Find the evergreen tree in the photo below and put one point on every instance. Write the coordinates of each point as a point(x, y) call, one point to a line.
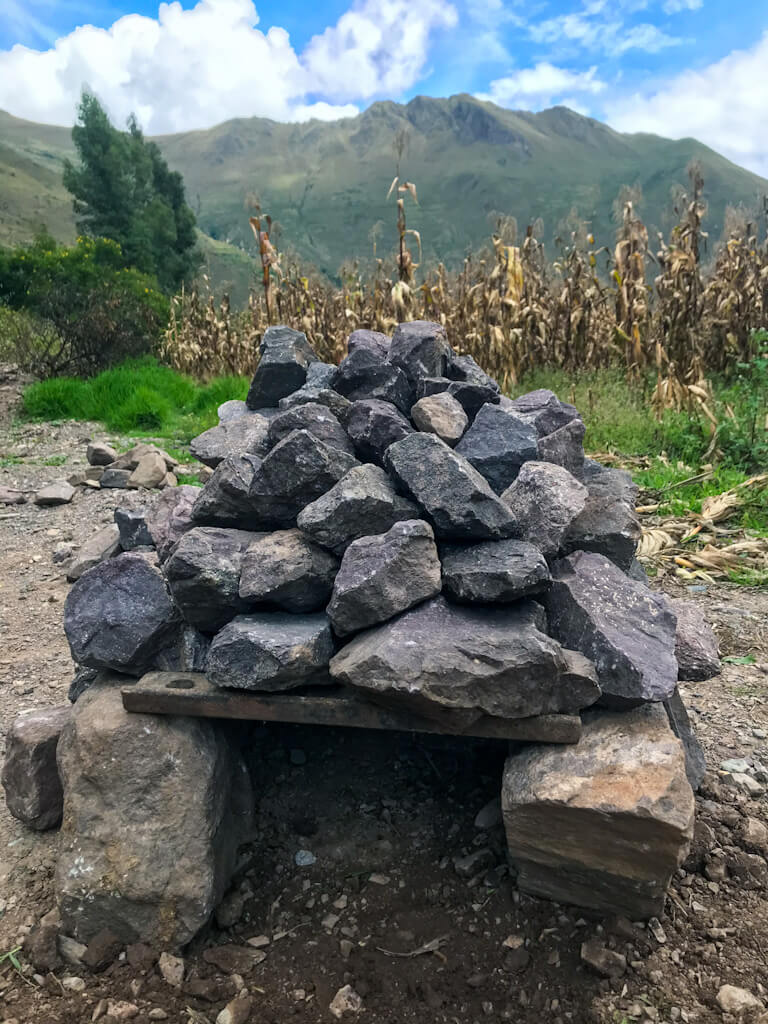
point(124, 190)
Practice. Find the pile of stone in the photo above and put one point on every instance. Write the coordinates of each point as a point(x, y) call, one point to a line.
point(143, 466)
point(397, 527)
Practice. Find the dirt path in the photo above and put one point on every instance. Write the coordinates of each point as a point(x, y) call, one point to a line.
point(385, 816)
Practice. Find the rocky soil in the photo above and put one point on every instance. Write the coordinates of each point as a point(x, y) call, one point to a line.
point(371, 868)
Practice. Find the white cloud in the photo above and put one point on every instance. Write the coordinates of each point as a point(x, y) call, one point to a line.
point(195, 68)
point(542, 86)
point(610, 36)
point(723, 105)
point(676, 6)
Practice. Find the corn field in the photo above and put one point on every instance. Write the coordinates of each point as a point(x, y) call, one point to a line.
point(514, 311)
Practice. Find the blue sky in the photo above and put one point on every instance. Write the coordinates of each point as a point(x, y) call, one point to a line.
point(675, 67)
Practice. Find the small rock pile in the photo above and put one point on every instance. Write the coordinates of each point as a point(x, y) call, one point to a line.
point(397, 526)
point(143, 466)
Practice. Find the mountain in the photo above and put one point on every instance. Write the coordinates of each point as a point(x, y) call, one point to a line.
point(326, 182)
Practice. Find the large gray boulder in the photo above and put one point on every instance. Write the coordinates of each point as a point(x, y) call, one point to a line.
point(470, 395)
point(287, 569)
point(30, 777)
point(362, 503)
point(372, 341)
point(240, 436)
point(171, 516)
point(493, 572)
point(363, 374)
point(285, 357)
point(226, 498)
point(441, 414)
point(624, 628)
point(467, 371)
point(155, 808)
point(565, 447)
point(320, 375)
point(495, 661)
point(544, 500)
point(374, 425)
point(317, 419)
point(319, 395)
point(420, 348)
point(544, 410)
point(607, 526)
point(603, 823)
point(607, 482)
point(458, 500)
point(203, 574)
point(497, 444)
point(696, 647)
point(383, 575)
point(271, 651)
point(118, 614)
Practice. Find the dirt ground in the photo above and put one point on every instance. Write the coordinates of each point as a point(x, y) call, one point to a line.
point(385, 815)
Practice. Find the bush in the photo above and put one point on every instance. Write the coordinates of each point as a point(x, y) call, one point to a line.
point(88, 310)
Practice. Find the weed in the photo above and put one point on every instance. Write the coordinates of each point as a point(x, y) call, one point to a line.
point(55, 460)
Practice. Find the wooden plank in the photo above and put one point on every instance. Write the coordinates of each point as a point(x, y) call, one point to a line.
point(177, 693)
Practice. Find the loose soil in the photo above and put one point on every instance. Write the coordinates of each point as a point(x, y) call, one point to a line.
point(384, 815)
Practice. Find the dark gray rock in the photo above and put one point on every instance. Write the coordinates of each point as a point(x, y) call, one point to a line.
point(118, 614)
point(100, 454)
point(373, 341)
point(466, 370)
point(363, 374)
point(203, 574)
point(565, 447)
point(171, 516)
point(117, 478)
point(81, 681)
point(497, 444)
point(246, 435)
point(287, 569)
point(374, 425)
point(493, 572)
point(695, 762)
point(99, 547)
point(132, 526)
point(383, 575)
point(317, 419)
point(605, 482)
point(187, 652)
point(492, 660)
point(420, 348)
point(544, 500)
point(285, 358)
point(607, 526)
point(696, 647)
point(544, 410)
point(225, 500)
point(470, 395)
point(624, 628)
point(637, 573)
point(271, 651)
point(30, 777)
point(441, 414)
point(320, 375)
point(362, 503)
point(338, 404)
point(458, 500)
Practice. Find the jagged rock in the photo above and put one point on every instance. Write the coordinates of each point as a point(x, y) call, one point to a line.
point(317, 419)
point(565, 447)
point(470, 395)
point(362, 503)
point(244, 435)
point(441, 414)
point(30, 776)
point(117, 615)
point(150, 472)
point(624, 628)
point(492, 660)
point(363, 374)
point(155, 807)
point(131, 458)
point(115, 478)
point(606, 482)
point(171, 517)
point(82, 679)
point(605, 961)
point(420, 348)
point(604, 823)
point(606, 526)
point(132, 527)
point(374, 425)
point(695, 762)
point(466, 370)
point(41, 944)
point(285, 357)
point(287, 569)
point(99, 547)
point(203, 574)
point(544, 410)
point(544, 501)
point(696, 647)
point(225, 499)
point(338, 404)
point(320, 375)
point(271, 651)
point(458, 500)
point(383, 575)
point(373, 341)
point(100, 454)
point(637, 573)
point(60, 492)
point(495, 571)
point(186, 652)
point(497, 444)
point(231, 410)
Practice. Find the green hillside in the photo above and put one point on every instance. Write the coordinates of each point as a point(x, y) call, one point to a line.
point(326, 182)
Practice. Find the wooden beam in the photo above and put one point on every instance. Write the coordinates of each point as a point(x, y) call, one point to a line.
point(190, 693)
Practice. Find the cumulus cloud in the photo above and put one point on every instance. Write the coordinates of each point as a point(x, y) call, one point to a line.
point(542, 86)
point(722, 105)
point(194, 68)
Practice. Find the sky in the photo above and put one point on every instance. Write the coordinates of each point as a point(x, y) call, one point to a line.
point(674, 67)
